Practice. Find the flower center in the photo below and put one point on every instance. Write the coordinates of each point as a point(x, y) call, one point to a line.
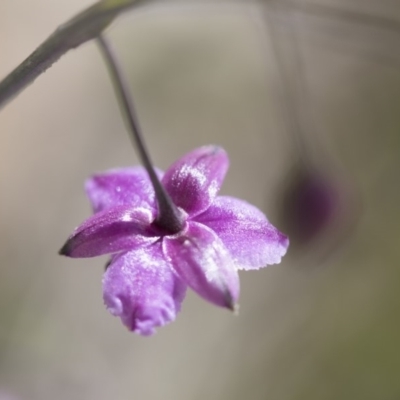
point(173, 225)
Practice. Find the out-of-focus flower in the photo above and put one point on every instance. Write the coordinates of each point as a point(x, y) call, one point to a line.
point(150, 267)
point(311, 202)
point(318, 208)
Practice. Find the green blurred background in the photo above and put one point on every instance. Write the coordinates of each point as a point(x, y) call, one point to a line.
point(254, 78)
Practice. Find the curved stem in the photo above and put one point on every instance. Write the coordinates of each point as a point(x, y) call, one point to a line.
point(168, 214)
point(85, 26)
point(290, 89)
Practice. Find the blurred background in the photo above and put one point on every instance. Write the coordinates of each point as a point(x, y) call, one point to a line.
point(305, 97)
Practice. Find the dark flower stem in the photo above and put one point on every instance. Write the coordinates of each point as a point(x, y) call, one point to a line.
point(168, 214)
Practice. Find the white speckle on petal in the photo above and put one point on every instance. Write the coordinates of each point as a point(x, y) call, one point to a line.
point(127, 217)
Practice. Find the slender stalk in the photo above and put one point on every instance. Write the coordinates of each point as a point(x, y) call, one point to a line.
point(83, 27)
point(297, 113)
point(343, 14)
point(168, 214)
point(89, 23)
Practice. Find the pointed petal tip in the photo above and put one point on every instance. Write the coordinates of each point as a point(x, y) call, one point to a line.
point(212, 149)
point(65, 250)
point(231, 302)
point(233, 306)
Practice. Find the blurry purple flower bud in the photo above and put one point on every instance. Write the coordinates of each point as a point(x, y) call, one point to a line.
point(314, 205)
point(151, 266)
point(311, 202)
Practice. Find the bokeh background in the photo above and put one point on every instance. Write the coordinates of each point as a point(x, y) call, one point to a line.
point(305, 97)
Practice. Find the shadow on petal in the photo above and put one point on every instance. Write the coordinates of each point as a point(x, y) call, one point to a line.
point(201, 260)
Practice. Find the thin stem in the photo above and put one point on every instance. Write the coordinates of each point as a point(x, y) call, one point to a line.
point(297, 114)
point(168, 214)
point(85, 26)
point(89, 23)
point(342, 14)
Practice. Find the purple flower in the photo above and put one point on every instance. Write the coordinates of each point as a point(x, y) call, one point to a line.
point(150, 267)
point(310, 203)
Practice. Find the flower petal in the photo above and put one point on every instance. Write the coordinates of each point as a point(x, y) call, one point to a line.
point(140, 287)
point(195, 179)
point(110, 231)
point(252, 241)
point(203, 263)
point(124, 186)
